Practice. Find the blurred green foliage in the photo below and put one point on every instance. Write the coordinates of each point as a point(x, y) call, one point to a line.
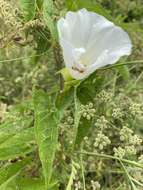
point(33, 155)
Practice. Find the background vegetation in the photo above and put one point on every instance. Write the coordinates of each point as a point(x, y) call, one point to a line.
point(87, 137)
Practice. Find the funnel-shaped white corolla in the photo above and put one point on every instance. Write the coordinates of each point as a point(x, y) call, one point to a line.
point(89, 41)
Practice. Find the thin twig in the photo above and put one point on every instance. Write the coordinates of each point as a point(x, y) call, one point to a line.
point(121, 64)
point(128, 176)
point(137, 182)
point(21, 58)
point(82, 169)
point(105, 156)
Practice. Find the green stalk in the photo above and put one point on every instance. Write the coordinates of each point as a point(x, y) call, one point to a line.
point(105, 156)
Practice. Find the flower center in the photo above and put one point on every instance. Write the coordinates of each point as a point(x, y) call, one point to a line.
point(78, 62)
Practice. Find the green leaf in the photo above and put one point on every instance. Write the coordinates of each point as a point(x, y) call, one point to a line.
point(16, 136)
point(83, 130)
point(11, 128)
point(89, 5)
point(10, 171)
point(18, 145)
point(46, 131)
point(66, 74)
point(71, 5)
point(42, 40)
point(64, 100)
point(48, 9)
point(124, 71)
point(39, 3)
point(29, 9)
point(30, 184)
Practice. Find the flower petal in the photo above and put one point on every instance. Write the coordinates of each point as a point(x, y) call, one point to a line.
point(89, 41)
point(115, 40)
point(91, 68)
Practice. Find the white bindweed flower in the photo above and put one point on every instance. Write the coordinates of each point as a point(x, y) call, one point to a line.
point(89, 41)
